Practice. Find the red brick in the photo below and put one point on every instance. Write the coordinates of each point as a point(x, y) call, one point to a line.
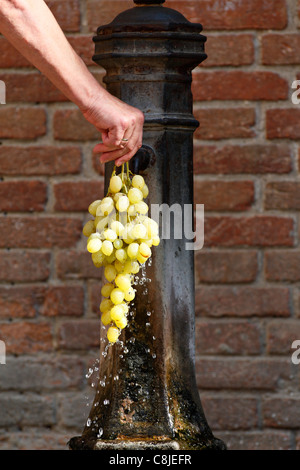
point(80, 335)
point(10, 57)
point(214, 14)
point(30, 301)
point(237, 374)
point(249, 231)
point(30, 87)
point(76, 265)
point(283, 123)
point(282, 265)
point(69, 124)
point(36, 160)
point(281, 335)
point(257, 440)
point(224, 412)
point(281, 49)
point(26, 338)
point(248, 14)
point(63, 301)
point(224, 195)
point(45, 232)
point(22, 196)
point(77, 196)
point(230, 49)
point(281, 412)
point(239, 85)
point(226, 266)
point(229, 338)
point(221, 301)
point(22, 123)
point(19, 266)
point(256, 159)
point(67, 13)
point(284, 195)
point(227, 123)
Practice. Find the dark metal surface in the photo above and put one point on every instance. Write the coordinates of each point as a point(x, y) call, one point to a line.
point(149, 53)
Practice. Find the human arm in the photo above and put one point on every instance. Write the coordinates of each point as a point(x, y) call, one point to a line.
point(30, 26)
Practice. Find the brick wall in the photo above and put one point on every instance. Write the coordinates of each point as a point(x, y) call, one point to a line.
point(248, 274)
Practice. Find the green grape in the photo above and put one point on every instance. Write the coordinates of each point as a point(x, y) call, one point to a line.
point(117, 296)
point(121, 255)
point(122, 204)
point(107, 248)
point(113, 334)
point(111, 259)
point(121, 323)
point(110, 273)
point(115, 184)
point(93, 207)
point(145, 191)
point(138, 182)
point(123, 282)
point(141, 208)
point(106, 305)
point(139, 231)
point(106, 318)
point(135, 195)
point(118, 244)
point(116, 313)
point(130, 294)
point(110, 235)
point(94, 245)
point(98, 258)
point(107, 289)
point(106, 206)
point(101, 223)
point(145, 250)
point(133, 250)
point(89, 228)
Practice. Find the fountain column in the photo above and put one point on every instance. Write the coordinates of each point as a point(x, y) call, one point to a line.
point(150, 397)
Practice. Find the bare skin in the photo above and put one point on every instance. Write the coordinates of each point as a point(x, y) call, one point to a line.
point(32, 29)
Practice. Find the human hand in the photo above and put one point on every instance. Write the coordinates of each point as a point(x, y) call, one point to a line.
point(121, 127)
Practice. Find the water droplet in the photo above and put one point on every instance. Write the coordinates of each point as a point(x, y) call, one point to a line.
point(88, 423)
point(154, 356)
point(106, 402)
point(100, 433)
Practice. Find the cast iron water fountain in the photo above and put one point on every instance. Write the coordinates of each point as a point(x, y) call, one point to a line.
point(149, 398)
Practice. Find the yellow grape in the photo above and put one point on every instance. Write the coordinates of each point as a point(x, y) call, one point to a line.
point(113, 334)
point(123, 282)
point(135, 195)
point(121, 255)
point(130, 294)
point(141, 259)
point(139, 231)
point(110, 273)
point(155, 241)
point(98, 258)
point(115, 184)
point(131, 210)
point(93, 207)
point(106, 206)
point(141, 208)
point(121, 323)
point(145, 191)
point(107, 248)
point(110, 235)
point(116, 313)
point(118, 244)
point(117, 227)
point(106, 305)
point(124, 307)
point(135, 267)
point(106, 318)
point(122, 204)
point(138, 182)
point(94, 245)
point(111, 259)
point(107, 289)
point(89, 228)
point(147, 241)
point(117, 296)
point(145, 250)
point(133, 250)
point(119, 266)
point(101, 223)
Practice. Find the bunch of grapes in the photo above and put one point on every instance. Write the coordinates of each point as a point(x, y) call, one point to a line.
point(120, 237)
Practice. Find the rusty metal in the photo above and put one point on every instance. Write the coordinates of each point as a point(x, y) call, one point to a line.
point(149, 52)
